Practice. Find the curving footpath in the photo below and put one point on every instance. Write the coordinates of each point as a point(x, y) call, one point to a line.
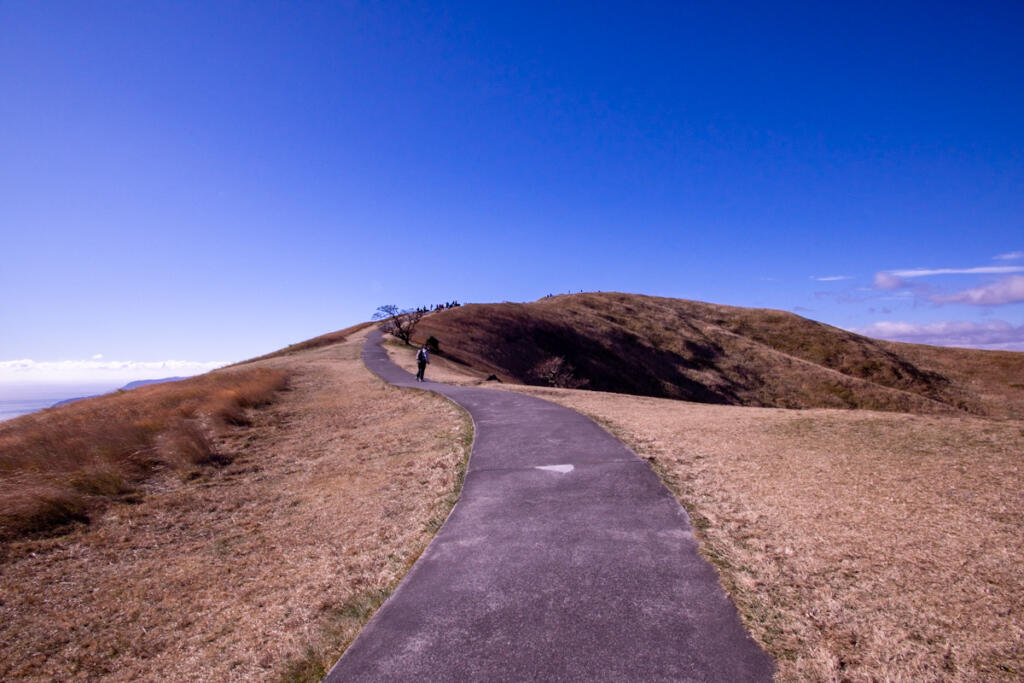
point(564, 559)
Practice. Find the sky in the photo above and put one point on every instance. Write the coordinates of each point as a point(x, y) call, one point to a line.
point(203, 182)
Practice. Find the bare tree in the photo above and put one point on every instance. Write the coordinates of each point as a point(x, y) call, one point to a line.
point(400, 323)
point(557, 372)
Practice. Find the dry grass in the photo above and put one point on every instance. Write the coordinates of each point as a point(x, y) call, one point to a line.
point(62, 464)
point(670, 348)
point(858, 546)
point(258, 570)
point(323, 340)
point(995, 377)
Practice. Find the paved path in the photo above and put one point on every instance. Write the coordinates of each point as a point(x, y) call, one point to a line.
point(565, 559)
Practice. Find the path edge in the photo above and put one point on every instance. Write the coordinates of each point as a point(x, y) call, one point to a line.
point(448, 516)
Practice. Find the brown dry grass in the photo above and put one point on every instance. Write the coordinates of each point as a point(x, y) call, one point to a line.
point(60, 465)
point(857, 545)
point(261, 569)
point(671, 348)
point(995, 377)
point(323, 340)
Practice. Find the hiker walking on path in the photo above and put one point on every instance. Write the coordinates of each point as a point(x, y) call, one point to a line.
point(422, 360)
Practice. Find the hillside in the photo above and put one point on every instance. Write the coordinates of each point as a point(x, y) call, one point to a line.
point(220, 527)
point(671, 348)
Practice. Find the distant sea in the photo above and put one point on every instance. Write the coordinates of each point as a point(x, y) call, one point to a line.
point(10, 409)
point(17, 400)
point(21, 399)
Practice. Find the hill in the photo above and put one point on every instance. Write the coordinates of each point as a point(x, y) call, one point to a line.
point(238, 525)
point(672, 348)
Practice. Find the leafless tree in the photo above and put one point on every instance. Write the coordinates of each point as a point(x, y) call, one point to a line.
point(400, 323)
point(557, 372)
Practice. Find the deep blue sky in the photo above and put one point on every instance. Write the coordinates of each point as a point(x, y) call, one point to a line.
point(210, 181)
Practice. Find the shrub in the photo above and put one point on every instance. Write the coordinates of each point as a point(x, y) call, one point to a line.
point(557, 372)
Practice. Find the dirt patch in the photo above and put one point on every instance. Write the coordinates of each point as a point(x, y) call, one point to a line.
point(259, 570)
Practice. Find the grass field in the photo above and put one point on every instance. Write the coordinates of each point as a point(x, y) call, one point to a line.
point(260, 568)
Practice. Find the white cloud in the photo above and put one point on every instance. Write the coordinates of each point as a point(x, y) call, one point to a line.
point(98, 356)
point(1010, 256)
point(96, 370)
point(888, 281)
point(1005, 291)
point(831, 278)
point(980, 270)
point(991, 334)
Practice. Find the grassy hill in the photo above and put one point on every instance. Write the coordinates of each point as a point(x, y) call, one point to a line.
point(671, 348)
point(250, 530)
point(239, 525)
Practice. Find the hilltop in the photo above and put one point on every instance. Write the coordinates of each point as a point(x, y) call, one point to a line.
point(672, 348)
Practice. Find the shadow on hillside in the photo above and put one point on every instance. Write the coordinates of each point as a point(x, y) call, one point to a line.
point(620, 362)
point(708, 353)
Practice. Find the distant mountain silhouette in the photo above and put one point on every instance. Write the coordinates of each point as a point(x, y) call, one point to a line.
point(146, 382)
point(71, 400)
point(126, 387)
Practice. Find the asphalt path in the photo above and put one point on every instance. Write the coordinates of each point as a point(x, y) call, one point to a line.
point(565, 559)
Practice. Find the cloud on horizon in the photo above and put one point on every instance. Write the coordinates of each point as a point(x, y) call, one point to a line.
point(979, 270)
point(1008, 290)
point(991, 334)
point(831, 278)
point(1010, 256)
point(30, 371)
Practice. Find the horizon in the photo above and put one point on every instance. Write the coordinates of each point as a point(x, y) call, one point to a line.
point(212, 183)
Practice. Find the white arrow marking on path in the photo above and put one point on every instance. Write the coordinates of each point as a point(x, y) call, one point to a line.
point(555, 468)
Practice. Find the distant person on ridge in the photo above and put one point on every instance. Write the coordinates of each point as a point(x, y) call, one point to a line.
point(422, 360)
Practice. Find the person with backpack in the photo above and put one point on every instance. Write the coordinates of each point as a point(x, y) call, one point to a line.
point(422, 360)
